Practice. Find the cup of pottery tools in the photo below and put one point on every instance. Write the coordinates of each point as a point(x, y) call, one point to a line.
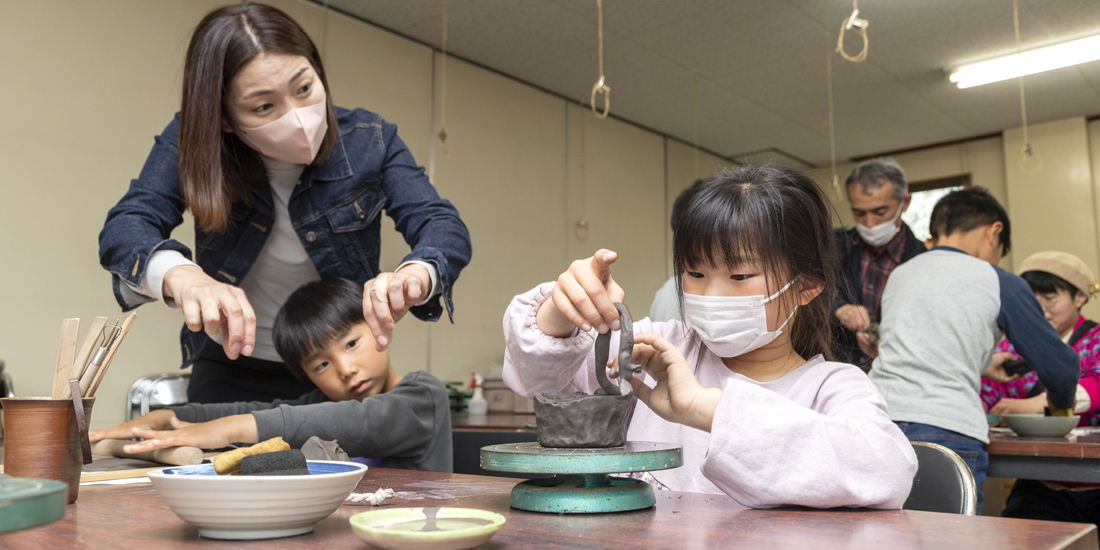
point(42, 439)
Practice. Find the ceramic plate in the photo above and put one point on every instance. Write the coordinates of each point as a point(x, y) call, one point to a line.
point(435, 528)
point(1037, 425)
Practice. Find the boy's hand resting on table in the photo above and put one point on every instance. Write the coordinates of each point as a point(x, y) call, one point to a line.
point(161, 429)
point(677, 397)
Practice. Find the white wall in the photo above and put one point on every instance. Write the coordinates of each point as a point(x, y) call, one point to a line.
point(96, 82)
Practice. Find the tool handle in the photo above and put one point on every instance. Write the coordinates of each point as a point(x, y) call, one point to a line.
point(176, 456)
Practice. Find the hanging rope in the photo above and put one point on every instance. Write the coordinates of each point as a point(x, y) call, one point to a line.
point(443, 81)
point(324, 27)
point(600, 87)
point(581, 230)
point(832, 132)
point(695, 118)
point(861, 24)
point(1026, 152)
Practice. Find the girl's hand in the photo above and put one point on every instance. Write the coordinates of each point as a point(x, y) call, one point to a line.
point(205, 435)
point(1031, 405)
point(996, 369)
point(388, 297)
point(156, 420)
point(677, 397)
point(584, 297)
point(213, 306)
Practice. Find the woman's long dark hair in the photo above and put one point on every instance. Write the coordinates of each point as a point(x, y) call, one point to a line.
point(774, 216)
point(217, 168)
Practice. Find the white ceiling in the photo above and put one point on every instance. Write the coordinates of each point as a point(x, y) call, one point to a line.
point(761, 64)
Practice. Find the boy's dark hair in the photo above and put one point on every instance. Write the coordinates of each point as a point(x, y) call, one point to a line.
point(682, 199)
point(776, 216)
point(1042, 282)
point(313, 316)
point(966, 210)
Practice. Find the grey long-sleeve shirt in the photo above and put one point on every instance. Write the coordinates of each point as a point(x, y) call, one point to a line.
point(942, 314)
point(408, 427)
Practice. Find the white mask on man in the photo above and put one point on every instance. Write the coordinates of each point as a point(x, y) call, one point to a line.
point(882, 233)
point(733, 325)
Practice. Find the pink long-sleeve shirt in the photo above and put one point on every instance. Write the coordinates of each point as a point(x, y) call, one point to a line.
point(819, 436)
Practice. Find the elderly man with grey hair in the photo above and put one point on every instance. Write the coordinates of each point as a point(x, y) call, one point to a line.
point(880, 241)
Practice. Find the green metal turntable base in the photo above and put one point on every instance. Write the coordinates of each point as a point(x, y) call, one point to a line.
point(581, 484)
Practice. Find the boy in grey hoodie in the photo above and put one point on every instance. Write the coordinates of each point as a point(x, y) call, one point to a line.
point(390, 420)
point(943, 312)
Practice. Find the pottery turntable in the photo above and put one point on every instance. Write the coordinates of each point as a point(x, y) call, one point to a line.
point(581, 440)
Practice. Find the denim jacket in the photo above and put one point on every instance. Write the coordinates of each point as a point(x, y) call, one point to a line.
point(336, 210)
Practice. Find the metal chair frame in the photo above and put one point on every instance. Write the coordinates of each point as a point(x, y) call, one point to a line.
point(968, 486)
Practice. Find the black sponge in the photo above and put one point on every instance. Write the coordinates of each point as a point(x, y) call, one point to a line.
point(279, 463)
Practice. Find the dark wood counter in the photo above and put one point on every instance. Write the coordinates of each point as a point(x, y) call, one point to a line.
point(134, 517)
point(1070, 458)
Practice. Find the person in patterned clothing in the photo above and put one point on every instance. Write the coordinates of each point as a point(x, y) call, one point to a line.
point(1063, 284)
point(868, 253)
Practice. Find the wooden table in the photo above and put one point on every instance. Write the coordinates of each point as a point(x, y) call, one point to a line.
point(1071, 458)
point(134, 517)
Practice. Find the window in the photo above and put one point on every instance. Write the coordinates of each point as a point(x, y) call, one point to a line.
point(925, 195)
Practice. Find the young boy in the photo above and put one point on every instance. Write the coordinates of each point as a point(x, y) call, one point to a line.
point(942, 313)
point(360, 400)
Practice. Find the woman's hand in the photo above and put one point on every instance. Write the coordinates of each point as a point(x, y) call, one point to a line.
point(677, 397)
point(584, 297)
point(996, 369)
point(388, 297)
point(239, 428)
point(156, 420)
point(1031, 405)
point(213, 306)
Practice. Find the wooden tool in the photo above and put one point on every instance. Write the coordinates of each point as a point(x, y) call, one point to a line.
point(110, 355)
point(66, 353)
point(85, 353)
point(97, 359)
point(176, 456)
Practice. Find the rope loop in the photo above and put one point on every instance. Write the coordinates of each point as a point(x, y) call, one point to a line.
point(861, 24)
point(600, 87)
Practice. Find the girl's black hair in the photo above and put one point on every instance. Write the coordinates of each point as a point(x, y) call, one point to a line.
point(776, 217)
point(1048, 283)
point(313, 317)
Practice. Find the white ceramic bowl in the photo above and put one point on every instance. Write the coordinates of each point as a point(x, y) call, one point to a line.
point(1037, 425)
point(256, 507)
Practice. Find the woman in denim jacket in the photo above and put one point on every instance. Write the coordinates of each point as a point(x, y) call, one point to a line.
point(285, 189)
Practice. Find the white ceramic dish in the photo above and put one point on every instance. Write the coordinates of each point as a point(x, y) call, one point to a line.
point(256, 507)
point(426, 528)
point(1037, 425)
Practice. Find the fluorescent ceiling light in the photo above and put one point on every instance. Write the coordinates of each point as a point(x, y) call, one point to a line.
point(1034, 61)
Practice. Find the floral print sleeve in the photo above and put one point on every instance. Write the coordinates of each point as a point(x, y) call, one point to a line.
point(992, 392)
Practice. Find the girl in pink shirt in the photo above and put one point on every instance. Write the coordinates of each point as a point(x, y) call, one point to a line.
point(745, 385)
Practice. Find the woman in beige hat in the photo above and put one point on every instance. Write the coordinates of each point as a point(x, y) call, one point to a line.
point(1063, 284)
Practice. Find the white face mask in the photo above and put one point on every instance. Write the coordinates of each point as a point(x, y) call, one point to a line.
point(294, 137)
point(732, 325)
point(882, 233)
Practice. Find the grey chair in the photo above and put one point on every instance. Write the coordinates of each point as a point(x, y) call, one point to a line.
point(943, 482)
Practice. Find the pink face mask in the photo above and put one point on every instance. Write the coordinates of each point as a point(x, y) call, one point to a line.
point(294, 137)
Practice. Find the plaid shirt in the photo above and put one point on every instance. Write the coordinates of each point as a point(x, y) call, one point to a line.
point(875, 267)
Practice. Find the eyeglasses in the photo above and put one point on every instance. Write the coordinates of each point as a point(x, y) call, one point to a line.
point(1048, 300)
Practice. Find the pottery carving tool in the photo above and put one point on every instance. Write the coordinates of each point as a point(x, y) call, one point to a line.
point(176, 456)
point(96, 362)
point(110, 355)
point(66, 353)
point(85, 352)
